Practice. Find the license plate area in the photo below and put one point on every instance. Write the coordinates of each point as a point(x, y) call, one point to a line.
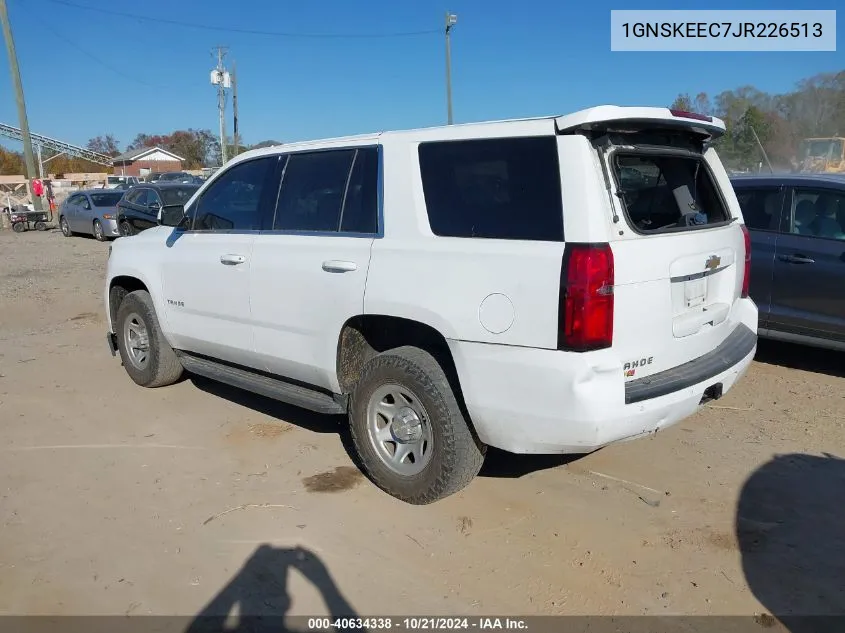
point(695, 292)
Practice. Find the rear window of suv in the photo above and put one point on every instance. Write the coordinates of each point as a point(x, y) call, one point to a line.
point(667, 193)
point(504, 188)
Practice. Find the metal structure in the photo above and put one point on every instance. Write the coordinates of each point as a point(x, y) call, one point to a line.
point(42, 142)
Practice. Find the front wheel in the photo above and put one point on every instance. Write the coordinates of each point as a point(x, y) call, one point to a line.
point(65, 227)
point(126, 229)
point(408, 429)
point(99, 235)
point(19, 227)
point(40, 226)
point(147, 356)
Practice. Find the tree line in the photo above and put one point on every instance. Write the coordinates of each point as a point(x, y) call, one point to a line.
point(815, 108)
point(199, 148)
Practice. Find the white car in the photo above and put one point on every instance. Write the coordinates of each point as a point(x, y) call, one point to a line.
point(456, 287)
point(113, 182)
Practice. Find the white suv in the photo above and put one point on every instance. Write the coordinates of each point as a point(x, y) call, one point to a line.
point(549, 285)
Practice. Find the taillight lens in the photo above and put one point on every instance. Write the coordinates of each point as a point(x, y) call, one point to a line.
point(746, 275)
point(586, 298)
point(691, 115)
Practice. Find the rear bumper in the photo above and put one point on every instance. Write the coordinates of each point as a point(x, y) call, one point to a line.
point(544, 401)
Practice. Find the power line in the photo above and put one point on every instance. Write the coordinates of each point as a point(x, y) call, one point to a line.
point(97, 59)
point(225, 29)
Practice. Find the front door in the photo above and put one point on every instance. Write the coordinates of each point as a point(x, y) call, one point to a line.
point(309, 272)
point(206, 276)
point(809, 268)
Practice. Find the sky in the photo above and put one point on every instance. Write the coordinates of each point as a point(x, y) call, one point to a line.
point(87, 73)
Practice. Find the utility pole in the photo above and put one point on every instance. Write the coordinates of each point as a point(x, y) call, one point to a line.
point(235, 134)
point(15, 71)
point(762, 149)
point(451, 20)
point(222, 80)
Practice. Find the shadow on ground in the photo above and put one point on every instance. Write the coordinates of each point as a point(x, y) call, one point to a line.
point(260, 597)
point(803, 357)
point(497, 464)
point(790, 526)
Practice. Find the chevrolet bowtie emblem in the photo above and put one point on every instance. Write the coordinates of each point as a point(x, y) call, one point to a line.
point(712, 262)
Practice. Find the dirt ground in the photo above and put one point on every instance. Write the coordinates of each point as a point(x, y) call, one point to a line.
point(120, 500)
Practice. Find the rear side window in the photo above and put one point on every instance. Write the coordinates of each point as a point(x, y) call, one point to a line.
point(312, 191)
point(760, 207)
point(507, 188)
point(664, 193)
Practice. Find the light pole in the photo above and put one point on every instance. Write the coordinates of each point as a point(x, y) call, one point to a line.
point(451, 20)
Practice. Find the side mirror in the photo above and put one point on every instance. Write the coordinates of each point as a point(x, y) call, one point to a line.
point(155, 206)
point(171, 215)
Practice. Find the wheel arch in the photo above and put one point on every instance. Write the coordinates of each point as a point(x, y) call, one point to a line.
point(119, 287)
point(364, 336)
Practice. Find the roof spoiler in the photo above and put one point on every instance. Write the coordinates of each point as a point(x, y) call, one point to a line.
point(622, 119)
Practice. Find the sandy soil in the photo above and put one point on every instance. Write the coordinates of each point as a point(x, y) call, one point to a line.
point(120, 500)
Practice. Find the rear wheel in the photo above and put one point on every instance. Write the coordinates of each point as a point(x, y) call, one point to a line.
point(408, 429)
point(65, 227)
point(147, 356)
point(19, 227)
point(98, 231)
point(40, 226)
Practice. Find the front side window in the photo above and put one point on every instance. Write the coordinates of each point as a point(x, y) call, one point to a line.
point(312, 191)
point(505, 188)
point(233, 201)
point(84, 203)
point(106, 199)
point(818, 213)
point(667, 192)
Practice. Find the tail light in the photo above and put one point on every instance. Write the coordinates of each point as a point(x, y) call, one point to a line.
point(585, 320)
point(691, 115)
point(746, 275)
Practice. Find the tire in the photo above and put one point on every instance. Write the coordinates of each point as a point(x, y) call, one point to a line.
point(65, 227)
point(455, 456)
point(99, 235)
point(40, 226)
point(161, 366)
point(126, 229)
point(19, 227)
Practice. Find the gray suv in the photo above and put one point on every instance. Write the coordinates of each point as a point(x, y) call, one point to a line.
point(797, 226)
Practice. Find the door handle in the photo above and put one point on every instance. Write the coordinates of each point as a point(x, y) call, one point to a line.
point(797, 259)
point(232, 260)
point(339, 266)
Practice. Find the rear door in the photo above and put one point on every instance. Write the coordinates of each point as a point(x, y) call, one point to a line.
point(310, 267)
point(809, 268)
point(761, 209)
point(678, 243)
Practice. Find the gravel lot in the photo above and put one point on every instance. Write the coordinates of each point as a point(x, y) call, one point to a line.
point(121, 500)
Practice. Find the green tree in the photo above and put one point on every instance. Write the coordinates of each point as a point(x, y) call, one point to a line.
point(682, 102)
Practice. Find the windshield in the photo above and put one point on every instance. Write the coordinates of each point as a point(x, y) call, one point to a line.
point(106, 199)
point(177, 195)
point(667, 192)
point(823, 148)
